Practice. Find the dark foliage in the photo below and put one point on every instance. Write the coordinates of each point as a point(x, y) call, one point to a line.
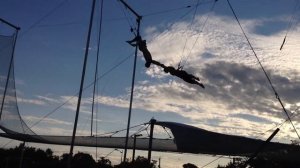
point(37, 158)
point(189, 165)
point(140, 162)
point(287, 158)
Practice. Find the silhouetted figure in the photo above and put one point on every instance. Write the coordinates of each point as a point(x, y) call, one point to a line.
point(137, 41)
point(183, 75)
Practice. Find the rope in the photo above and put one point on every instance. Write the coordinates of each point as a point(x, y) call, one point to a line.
point(7, 143)
point(110, 153)
point(95, 89)
point(140, 130)
point(201, 30)
point(166, 11)
point(212, 161)
point(59, 24)
point(175, 9)
point(115, 132)
point(290, 25)
point(279, 125)
point(261, 66)
point(127, 19)
point(44, 17)
point(167, 132)
point(97, 63)
point(191, 24)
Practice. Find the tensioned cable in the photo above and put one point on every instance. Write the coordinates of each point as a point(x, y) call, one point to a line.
point(290, 25)
point(210, 11)
point(181, 17)
point(58, 24)
point(166, 11)
point(96, 74)
point(279, 125)
point(171, 25)
point(118, 131)
point(261, 66)
point(154, 13)
point(140, 130)
point(3, 146)
point(97, 63)
point(167, 132)
point(174, 9)
point(89, 85)
point(44, 17)
point(191, 24)
point(212, 161)
point(127, 18)
point(110, 153)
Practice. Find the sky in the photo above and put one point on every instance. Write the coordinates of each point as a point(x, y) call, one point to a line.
point(205, 38)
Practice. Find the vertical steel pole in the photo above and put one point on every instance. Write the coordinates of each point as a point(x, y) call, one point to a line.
point(134, 145)
point(152, 122)
point(133, 150)
point(81, 84)
point(133, 76)
point(131, 94)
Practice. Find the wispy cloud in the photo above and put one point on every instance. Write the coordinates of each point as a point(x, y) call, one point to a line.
point(48, 99)
point(31, 101)
point(47, 120)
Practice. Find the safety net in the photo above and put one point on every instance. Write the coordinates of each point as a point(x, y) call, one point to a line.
point(10, 116)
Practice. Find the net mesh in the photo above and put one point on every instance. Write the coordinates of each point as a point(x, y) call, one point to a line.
point(10, 116)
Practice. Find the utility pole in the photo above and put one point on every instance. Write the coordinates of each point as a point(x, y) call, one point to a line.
point(138, 20)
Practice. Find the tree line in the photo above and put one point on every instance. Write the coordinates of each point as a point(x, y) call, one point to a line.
point(37, 158)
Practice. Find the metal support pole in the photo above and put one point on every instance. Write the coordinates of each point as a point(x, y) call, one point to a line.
point(10, 24)
point(133, 150)
point(9, 69)
point(152, 122)
point(131, 98)
point(139, 17)
point(138, 20)
point(134, 145)
point(81, 84)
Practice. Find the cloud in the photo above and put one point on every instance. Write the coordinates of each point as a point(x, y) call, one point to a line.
point(48, 120)
point(48, 99)
point(238, 97)
point(31, 101)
